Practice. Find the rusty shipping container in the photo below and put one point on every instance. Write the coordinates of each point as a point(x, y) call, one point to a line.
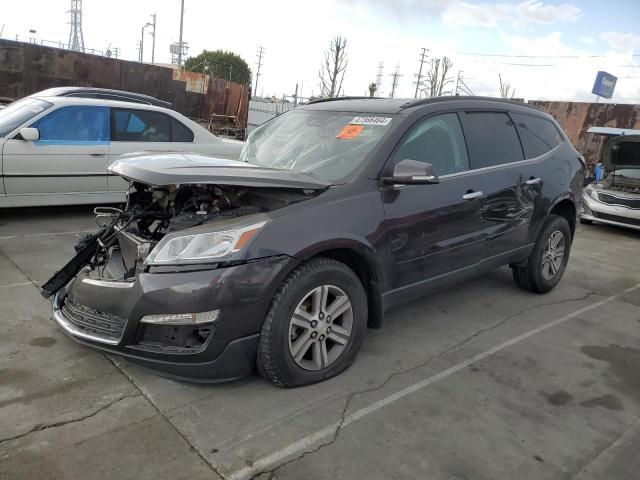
point(577, 117)
point(27, 68)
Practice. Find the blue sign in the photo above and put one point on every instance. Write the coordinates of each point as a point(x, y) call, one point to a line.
point(604, 84)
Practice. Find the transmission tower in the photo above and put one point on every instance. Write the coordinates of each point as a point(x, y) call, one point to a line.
point(76, 37)
point(379, 79)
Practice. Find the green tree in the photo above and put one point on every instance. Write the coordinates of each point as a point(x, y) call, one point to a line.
point(220, 64)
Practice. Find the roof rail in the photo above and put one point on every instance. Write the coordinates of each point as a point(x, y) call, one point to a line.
point(427, 101)
point(337, 99)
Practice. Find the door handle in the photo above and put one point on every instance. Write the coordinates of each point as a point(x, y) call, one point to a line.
point(534, 181)
point(472, 195)
point(97, 154)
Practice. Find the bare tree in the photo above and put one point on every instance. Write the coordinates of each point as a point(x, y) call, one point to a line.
point(333, 68)
point(372, 89)
point(506, 90)
point(437, 77)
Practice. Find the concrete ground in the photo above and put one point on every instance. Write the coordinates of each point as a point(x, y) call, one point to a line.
point(481, 381)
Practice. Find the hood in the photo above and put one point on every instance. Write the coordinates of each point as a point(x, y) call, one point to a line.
point(179, 169)
point(622, 152)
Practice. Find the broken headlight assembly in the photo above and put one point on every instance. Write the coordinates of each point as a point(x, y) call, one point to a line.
point(591, 193)
point(211, 245)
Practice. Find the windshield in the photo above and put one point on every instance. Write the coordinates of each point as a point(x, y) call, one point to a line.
point(20, 112)
point(327, 145)
point(633, 173)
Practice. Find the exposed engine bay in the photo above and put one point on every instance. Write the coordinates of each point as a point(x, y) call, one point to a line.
point(126, 237)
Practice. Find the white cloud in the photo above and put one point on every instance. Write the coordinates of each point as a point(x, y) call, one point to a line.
point(517, 14)
point(588, 40)
point(551, 70)
point(622, 41)
point(476, 13)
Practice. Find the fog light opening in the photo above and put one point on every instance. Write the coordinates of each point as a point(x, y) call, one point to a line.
point(181, 318)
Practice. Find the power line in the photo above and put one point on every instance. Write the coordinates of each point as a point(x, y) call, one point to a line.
point(479, 54)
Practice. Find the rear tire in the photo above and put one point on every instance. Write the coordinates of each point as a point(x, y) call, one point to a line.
point(548, 260)
point(315, 325)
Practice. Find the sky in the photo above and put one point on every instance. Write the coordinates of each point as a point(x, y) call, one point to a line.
point(546, 50)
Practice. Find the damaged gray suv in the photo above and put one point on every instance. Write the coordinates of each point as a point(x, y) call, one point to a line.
point(336, 212)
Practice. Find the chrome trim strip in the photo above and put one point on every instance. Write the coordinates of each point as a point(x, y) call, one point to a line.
point(503, 165)
point(609, 222)
point(71, 329)
point(107, 283)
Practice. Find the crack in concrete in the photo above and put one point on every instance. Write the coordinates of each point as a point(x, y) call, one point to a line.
point(176, 429)
point(2, 252)
point(273, 472)
point(41, 427)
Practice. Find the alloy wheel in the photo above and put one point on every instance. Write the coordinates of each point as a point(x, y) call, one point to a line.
point(320, 327)
point(553, 255)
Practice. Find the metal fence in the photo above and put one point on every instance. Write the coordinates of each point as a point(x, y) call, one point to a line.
point(260, 112)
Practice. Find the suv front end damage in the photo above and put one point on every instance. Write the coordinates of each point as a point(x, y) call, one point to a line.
point(164, 282)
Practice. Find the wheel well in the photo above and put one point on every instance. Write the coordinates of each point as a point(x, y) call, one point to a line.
point(566, 209)
point(367, 275)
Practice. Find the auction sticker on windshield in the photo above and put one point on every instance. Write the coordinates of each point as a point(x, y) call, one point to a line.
point(383, 121)
point(350, 131)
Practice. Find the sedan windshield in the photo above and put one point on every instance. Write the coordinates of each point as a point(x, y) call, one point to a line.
point(20, 112)
point(633, 173)
point(327, 145)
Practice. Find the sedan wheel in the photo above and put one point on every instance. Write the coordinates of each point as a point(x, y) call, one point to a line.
point(320, 327)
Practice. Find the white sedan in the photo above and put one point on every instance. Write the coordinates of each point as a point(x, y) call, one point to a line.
point(56, 150)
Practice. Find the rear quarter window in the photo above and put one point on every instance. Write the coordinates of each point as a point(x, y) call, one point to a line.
point(180, 133)
point(492, 139)
point(538, 135)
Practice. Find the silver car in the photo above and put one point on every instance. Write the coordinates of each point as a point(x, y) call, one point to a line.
point(616, 198)
point(56, 150)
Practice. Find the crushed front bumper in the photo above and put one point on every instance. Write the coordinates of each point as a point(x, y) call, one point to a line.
point(611, 213)
point(106, 315)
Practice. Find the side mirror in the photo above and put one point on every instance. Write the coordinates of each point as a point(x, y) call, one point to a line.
point(412, 172)
point(30, 134)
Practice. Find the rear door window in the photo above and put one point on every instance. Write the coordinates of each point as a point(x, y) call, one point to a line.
point(492, 139)
point(75, 124)
point(538, 135)
point(131, 125)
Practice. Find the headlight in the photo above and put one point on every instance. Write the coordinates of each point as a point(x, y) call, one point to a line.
point(591, 193)
point(202, 247)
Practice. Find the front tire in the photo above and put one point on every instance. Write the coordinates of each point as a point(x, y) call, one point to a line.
point(315, 325)
point(548, 260)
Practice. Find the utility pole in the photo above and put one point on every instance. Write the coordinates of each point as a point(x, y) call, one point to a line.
point(295, 97)
point(394, 85)
point(424, 52)
point(142, 42)
point(457, 83)
point(260, 53)
point(116, 52)
point(180, 38)
point(379, 79)
point(153, 45)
